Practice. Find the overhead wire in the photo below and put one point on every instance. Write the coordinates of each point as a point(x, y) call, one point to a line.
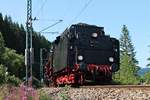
point(37, 15)
point(50, 26)
point(81, 11)
point(41, 8)
point(77, 16)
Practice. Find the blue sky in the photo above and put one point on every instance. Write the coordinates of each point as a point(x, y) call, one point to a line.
point(111, 14)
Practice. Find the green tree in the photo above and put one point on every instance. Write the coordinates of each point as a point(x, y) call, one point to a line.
point(2, 47)
point(2, 44)
point(10, 59)
point(128, 62)
point(146, 78)
point(148, 60)
point(15, 38)
point(126, 45)
point(1, 22)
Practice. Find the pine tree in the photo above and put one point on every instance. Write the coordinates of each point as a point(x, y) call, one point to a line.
point(2, 47)
point(15, 36)
point(128, 62)
point(126, 46)
point(1, 22)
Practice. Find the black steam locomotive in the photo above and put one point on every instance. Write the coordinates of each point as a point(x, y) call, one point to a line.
point(82, 53)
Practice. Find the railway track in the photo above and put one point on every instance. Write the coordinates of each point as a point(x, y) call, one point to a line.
point(117, 86)
point(103, 92)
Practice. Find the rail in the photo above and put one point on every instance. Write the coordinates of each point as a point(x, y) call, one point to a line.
point(117, 86)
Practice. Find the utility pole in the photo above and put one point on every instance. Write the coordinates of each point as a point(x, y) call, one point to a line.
point(43, 60)
point(29, 50)
point(41, 65)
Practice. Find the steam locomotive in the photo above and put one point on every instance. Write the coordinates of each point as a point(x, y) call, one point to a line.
point(82, 53)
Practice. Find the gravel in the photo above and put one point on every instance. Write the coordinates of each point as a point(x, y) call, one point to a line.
point(68, 93)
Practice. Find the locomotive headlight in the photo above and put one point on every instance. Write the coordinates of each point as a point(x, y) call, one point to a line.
point(94, 35)
point(111, 59)
point(80, 58)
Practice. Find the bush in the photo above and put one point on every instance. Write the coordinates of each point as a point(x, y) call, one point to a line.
point(5, 78)
point(13, 80)
point(2, 74)
point(146, 78)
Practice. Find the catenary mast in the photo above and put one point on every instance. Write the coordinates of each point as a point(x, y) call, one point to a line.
point(29, 50)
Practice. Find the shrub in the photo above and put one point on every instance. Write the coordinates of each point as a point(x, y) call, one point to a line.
point(146, 78)
point(13, 80)
point(2, 74)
